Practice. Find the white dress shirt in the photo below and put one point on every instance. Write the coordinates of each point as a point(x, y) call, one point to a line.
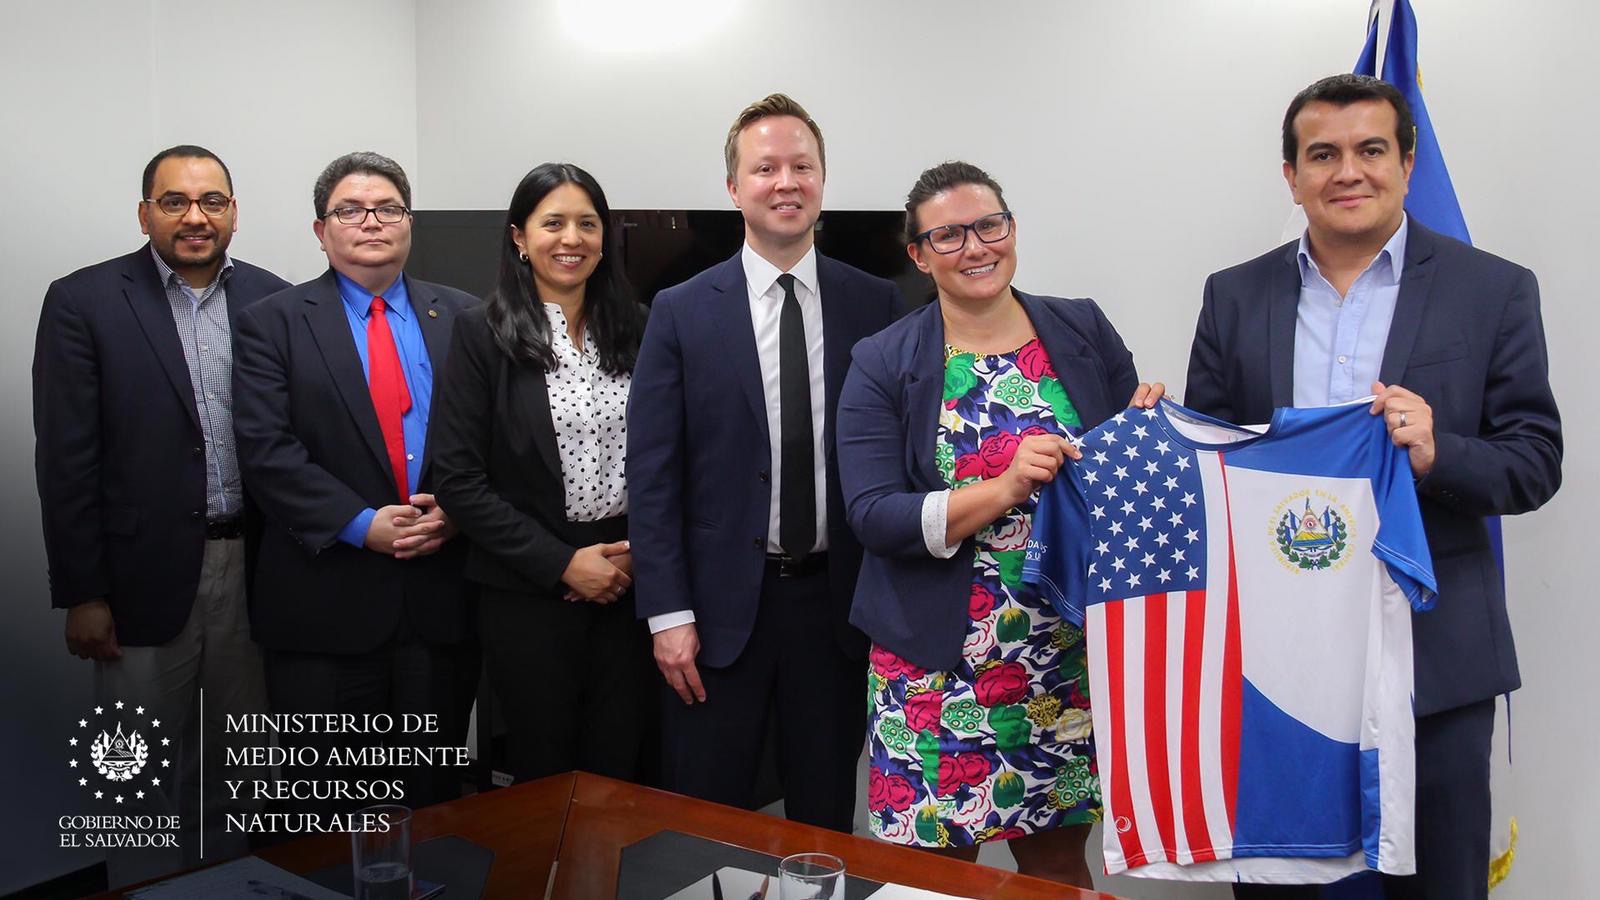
point(766, 309)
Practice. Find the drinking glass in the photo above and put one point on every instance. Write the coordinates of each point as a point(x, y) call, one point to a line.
point(382, 854)
point(811, 876)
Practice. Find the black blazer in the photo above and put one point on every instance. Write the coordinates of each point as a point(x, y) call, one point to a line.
point(907, 600)
point(313, 457)
point(118, 451)
point(1467, 337)
point(699, 482)
point(496, 467)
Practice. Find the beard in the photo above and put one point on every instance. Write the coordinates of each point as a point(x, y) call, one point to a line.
point(179, 254)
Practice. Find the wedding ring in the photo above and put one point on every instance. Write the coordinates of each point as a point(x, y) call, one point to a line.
point(1402, 420)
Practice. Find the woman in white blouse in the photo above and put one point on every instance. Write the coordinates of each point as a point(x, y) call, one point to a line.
point(529, 436)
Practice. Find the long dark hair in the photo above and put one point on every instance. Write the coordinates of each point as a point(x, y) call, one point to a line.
point(516, 315)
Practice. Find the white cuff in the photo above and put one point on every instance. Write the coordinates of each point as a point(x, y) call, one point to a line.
point(664, 621)
point(935, 519)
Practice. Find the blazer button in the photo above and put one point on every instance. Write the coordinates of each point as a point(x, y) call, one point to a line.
point(195, 514)
point(759, 542)
point(199, 450)
point(765, 478)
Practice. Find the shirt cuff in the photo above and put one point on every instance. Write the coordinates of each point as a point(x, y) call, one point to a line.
point(935, 521)
point(355, 531)
point(664, 621)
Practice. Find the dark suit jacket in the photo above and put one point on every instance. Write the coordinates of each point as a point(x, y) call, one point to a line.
point(496, 466)
point(119, 453)
point(313, 457)
point(699, 462)
point(1466, 337)
point(907, 600)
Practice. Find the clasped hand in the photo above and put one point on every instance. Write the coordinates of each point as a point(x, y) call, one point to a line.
point(408, 530)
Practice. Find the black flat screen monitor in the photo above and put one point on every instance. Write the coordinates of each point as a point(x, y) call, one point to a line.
point(661, 248)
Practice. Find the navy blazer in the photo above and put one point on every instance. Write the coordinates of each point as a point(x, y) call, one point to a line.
point(1466, 337)
point(313, 456)
point(699, 461)
point(907, 600)
point(119, 454)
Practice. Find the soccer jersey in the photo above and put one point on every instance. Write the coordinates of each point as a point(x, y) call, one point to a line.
point(1246, 596)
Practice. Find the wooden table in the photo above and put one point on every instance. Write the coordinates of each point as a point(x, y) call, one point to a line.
point(583, 821)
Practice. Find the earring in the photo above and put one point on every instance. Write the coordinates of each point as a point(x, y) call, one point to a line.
point(522, 256)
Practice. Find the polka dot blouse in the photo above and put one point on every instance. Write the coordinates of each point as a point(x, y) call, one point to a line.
point(589, 410)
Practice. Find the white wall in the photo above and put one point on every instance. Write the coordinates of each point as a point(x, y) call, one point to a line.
point(89, 91)
point(1137, 142)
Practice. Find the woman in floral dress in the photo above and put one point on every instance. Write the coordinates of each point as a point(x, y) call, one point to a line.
point(948, 422)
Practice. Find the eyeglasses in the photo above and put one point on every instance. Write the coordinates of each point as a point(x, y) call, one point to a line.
point(357, 215)
point(177, 205)
point(951, 238)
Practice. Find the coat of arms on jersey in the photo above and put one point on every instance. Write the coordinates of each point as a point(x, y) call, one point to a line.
point(1313, 535)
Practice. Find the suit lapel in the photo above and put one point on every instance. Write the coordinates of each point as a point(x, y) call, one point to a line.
point(1077, 365)
point(1283, 299)
point(148, 299)
point(729, 307)
point(530, 393)
point(325, 316)
point(840, 332)
point(434, 318)
point(1415, 280)
point(925, 395)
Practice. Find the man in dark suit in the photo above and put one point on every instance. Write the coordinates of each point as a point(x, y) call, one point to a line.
point(139, 487)
point(744, 564)
point(359, 599)
point(1450, 340)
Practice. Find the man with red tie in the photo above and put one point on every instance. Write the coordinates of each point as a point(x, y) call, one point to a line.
point(359, 603)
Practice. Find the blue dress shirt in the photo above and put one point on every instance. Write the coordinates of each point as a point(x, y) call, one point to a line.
point(1339, 341)
point(414, 361)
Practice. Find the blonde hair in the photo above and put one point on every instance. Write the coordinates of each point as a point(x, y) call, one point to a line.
point(765, 108)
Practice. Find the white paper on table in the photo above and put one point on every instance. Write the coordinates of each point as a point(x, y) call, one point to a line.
point(737, 884)
point(251, 878)
point(893, 891)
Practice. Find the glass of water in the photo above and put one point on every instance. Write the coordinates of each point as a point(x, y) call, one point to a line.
point(381, 853)
point(811, 876)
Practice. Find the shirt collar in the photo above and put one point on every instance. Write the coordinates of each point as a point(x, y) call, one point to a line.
point(167, 274)
point(359, 301)
point(1389, 261)
point(761, 275)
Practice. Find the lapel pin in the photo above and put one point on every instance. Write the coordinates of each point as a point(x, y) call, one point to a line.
point(433, 314)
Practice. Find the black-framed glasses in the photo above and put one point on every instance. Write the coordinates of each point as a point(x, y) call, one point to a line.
point(176, 205)
point(951, 238)
point(356, 215)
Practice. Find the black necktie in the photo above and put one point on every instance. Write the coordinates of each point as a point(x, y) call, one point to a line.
point(797, 493)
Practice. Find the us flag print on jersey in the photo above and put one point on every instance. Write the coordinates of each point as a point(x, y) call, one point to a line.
point(1246, 596)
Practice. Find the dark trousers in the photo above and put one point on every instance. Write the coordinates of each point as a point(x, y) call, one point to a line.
point(1452, 813)
point(794, 669)
point(574, 680)
point(407, 675)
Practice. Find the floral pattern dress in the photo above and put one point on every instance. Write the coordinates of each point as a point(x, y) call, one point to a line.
point(1001, 746)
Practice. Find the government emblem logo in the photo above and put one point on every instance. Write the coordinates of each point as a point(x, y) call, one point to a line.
point(120, 753)
point(1312, 536)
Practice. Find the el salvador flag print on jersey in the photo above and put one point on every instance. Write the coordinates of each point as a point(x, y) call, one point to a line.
point(1246, 597)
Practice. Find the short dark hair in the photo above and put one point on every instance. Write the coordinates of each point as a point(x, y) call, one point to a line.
point(941, 178)
point(182, 151)
point(1343, 90)
point(765, 108)
point(362, 162)
point(516, 314)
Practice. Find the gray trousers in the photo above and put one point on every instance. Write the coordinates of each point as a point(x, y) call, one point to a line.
point(212, 653)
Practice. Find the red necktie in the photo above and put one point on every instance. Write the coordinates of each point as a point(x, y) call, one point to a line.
point(390, 398)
